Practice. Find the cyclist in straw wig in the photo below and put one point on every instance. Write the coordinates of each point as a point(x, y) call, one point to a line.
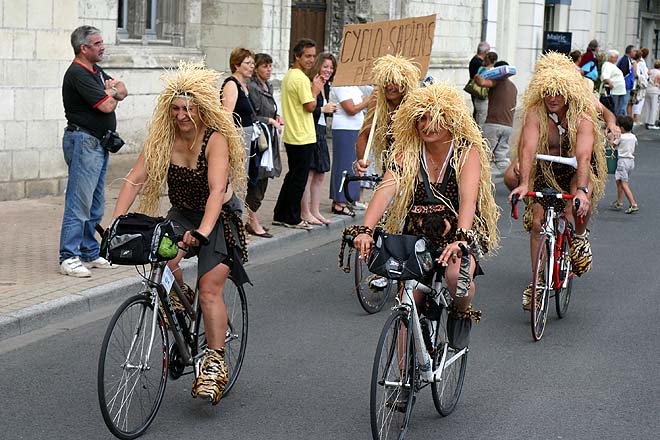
point(437, 145)
point(194, 147)
point(560, 118)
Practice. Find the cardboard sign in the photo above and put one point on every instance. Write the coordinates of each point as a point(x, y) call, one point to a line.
point(363, 43)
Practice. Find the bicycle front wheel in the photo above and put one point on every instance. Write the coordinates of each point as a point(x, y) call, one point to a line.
point(393, 380)
point(373, 291)
point(563, 294)
point(236, 335)
point(132, 371)
point(447, 390)
point(541, 284)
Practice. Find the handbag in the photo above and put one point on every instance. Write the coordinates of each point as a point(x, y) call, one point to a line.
point(606, 100)
point(263, 136)
point(112, 142)
point(590, 71)
point(475, 90)
point(139, 239)
point(400, 256)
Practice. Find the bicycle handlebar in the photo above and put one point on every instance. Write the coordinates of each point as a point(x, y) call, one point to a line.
point(346, 179)
point(547, 193)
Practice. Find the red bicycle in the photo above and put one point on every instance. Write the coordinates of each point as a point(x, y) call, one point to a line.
point(552, 273)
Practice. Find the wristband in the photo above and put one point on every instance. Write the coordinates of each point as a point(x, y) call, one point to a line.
point(466, 235)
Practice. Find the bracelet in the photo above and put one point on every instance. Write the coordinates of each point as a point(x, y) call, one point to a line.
point(365, 230)
point(466, 235)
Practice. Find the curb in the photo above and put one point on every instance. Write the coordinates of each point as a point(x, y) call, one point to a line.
point(32, 318)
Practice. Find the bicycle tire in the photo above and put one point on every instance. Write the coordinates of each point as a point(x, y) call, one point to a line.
point(236, 335)
point(125, 342)
point(447, 391)
point(563, 294)
point(390, 409)
point(540, 303)
point(371, 299)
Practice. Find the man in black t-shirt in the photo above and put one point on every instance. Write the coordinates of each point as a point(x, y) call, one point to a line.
point(90, 98)
point(480, 105)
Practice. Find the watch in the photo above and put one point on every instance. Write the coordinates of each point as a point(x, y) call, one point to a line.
point(584, 189)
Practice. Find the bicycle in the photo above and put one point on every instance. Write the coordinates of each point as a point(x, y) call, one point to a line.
point(136, 357)
point(372, 291)
point(413, 352)
point(552, 273)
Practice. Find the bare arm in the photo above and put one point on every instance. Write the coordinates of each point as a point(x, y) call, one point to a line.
point(383, 195)
point(133, 183)
point(217, 157)
point(229, 96)
point(481, 81)
point(363, 138)
point(317, 85)
point(527, 151)
point(584, 148)
point(351, 108)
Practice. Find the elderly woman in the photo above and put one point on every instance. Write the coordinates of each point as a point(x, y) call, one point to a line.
point(193, 146)
point(438, 184)
point(651, 98)
point(612, 78)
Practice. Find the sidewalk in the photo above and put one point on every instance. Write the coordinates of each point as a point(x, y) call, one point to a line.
point(33, 293)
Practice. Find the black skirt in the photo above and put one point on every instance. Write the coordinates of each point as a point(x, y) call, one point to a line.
point(320, 154)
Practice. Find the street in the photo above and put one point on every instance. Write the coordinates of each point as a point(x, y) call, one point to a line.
point(310, 351)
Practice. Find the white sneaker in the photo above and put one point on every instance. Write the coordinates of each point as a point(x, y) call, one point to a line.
point(99, 263)
point(360, 206)
point(74, 267)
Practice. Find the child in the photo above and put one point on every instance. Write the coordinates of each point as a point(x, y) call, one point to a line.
point(626, 163)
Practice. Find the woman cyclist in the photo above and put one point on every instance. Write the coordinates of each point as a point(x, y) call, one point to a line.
point(438, 183)
point(194, 147)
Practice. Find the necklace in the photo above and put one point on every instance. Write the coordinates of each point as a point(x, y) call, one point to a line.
point(436, 167)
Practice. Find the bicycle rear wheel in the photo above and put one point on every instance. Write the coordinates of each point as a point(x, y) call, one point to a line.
point(540, 301)
point(563, 294)
point(236, 335)
point(373, 291)
point(132, 371)
point(393, 380)
point(447, 391)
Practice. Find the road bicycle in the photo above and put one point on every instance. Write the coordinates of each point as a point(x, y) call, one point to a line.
point(372, 291)
point(552, 274)
point(413, 352)
point(136, 356)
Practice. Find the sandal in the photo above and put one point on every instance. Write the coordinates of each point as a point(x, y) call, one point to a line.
point(343, 210)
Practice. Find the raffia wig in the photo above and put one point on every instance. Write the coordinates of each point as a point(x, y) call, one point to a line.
point(388, 69)
point(448, 110)
point(194, 80)
point(556, 75)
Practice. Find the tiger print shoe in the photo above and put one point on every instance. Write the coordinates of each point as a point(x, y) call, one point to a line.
point(177, 305)
point(213, 376)
point(581, 255)
point(527, 295)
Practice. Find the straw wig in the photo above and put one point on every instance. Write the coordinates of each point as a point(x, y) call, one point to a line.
point(556, 76)
point(200, 84)
point(389, 69)
point(447, 111)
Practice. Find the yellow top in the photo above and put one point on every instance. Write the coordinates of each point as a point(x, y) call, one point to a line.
point(299, 124)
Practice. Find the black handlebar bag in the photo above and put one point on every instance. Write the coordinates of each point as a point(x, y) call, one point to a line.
point(400, 256)
point(139, 239)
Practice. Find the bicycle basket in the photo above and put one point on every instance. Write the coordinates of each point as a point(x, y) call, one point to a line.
point(400, 256)
point(139, 239)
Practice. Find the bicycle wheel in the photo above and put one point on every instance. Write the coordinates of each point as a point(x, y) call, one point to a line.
point(447, 391)
point(563, 294)
point(237, 332)
point(373, 291)
point(540, 300)
point(133, 365)
point(393, 380)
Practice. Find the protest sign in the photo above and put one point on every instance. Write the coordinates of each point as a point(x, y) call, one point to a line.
point(363, 43)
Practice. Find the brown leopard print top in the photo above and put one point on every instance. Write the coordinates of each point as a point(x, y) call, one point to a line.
point(434, 220)
point(188, 187)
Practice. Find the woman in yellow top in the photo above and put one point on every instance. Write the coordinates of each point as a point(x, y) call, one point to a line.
point(194, 147)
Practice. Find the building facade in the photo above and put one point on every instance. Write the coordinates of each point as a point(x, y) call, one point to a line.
point(145, 37)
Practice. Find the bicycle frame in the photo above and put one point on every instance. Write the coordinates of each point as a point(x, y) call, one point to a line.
point(554, 228)
point(407, 303)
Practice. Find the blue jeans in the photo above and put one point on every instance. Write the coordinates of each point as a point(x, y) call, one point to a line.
point(620, 103)
point(84, 201)
point(624, 104)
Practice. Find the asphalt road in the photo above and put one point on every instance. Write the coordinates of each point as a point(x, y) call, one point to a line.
point(306, 375)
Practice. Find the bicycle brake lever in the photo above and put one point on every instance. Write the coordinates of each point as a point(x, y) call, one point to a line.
point(514, 206)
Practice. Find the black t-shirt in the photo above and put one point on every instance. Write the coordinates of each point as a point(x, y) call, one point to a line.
point(83, 90)
point(243, 108)
point(475, 63)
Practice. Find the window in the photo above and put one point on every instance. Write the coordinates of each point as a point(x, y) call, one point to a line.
point(151, 21)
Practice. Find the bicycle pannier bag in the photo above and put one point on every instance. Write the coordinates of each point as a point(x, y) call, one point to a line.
point(139, 239)
point(400, 256)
